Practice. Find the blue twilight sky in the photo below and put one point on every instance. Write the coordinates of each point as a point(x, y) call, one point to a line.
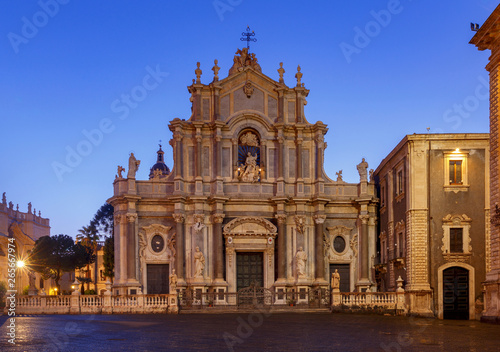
point(376, 70)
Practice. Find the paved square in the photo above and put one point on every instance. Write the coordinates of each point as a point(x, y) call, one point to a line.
point(247, 332)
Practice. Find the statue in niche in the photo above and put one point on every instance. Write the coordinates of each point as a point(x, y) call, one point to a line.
point(335, 280)
point(199, 263)
point(250, 174)
point(362, 167)
point(301, 258)
point(133, 165)
point(173, 282)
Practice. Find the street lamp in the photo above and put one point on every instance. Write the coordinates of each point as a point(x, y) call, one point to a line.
point(20, 264)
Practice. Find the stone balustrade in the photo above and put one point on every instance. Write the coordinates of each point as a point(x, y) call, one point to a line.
point(369, 301)
point(95, 304)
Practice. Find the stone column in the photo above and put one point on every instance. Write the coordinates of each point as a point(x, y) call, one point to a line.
point(319, 262)
point(198, 155)
point(178, 155)
point(319, 156)
point(179, 260)
point(363, 253)
point(218, 156)
point(299, 158)
point(123, 247)
point(131, 250)
point(281, 246)
point(263, 155)
point(218, 246)
point(235, 155)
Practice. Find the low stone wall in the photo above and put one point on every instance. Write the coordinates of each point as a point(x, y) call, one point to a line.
point(94, 304)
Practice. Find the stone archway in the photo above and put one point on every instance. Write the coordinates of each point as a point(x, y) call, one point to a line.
point(246, 235)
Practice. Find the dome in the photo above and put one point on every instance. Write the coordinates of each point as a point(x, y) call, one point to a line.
point(160, 166)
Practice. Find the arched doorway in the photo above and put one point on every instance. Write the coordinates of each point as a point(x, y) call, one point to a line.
point(456, 293)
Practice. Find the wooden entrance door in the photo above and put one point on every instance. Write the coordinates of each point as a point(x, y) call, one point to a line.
point(456, 293)
point(157, 279)
point(249, 269)
point(345, 276)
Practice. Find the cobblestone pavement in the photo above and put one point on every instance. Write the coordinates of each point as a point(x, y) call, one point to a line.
point(246, 332)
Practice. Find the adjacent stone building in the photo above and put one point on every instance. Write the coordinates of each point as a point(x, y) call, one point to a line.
point(248, 201)
point(434, 222)
point(488, 37)
point(24, 229)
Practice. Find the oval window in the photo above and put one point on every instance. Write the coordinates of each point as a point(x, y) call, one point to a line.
point(339, 244)
point(157, 243)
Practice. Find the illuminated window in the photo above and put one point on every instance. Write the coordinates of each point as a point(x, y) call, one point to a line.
point(455, 172)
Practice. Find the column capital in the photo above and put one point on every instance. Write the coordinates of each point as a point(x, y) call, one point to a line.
point(364, 219)
point(218, 218)
point(198, 138)
point(118, 218)
point(319, 218)
point(177, 136)
point(281, 218)
point(178, 218)
point(131, 217)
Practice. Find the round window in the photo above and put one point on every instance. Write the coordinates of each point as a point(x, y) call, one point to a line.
point(339, 244)
point(157, 243)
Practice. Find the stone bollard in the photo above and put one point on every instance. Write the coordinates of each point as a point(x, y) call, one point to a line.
point(106, 300)
point(400, 296)
point(74, 307)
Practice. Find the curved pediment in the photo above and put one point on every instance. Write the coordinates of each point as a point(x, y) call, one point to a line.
point(250, 225)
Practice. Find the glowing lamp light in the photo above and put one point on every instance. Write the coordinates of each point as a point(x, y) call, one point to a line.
point(456, 150)
point(20, 264)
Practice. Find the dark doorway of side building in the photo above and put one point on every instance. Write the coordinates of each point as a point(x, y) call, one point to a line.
point(157, 279)
point(456, 293)
point(249, 269)
point(345, 276)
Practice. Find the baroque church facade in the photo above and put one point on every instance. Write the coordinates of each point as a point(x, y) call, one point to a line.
point(247, 201)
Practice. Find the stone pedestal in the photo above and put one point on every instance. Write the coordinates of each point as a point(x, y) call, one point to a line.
point(336, 297)
point(419, 303)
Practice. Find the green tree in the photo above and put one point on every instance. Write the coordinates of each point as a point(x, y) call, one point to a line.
point(109, 258)
point(88, 237)
point(54, 255)
point(103, 221)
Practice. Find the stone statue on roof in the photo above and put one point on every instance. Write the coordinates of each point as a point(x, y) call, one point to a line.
point(133, 165)
point(244, 59)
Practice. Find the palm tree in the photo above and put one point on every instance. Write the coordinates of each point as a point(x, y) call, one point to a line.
point(88, 237)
